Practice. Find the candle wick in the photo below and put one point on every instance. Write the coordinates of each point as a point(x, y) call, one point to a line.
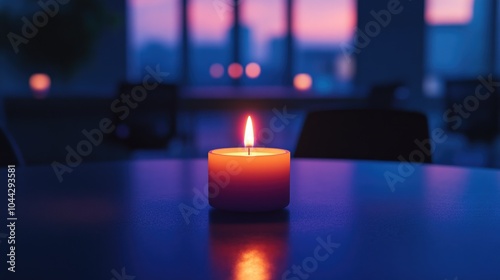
point(248, 150)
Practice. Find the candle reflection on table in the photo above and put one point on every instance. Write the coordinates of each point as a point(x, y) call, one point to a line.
point(248, 246)
point(253, 263)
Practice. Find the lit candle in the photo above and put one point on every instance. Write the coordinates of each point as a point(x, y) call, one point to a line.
point(249, 179)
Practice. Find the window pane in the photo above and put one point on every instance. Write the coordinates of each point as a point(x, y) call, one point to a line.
point(322, 29)
point(459, 50)
point(441, 12)
point(263, 31)
point(154, 37)
point(210, 52)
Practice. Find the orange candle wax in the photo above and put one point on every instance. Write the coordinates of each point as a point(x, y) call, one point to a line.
point(249, 179)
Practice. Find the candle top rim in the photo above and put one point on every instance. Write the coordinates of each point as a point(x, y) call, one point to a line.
point(270, 152)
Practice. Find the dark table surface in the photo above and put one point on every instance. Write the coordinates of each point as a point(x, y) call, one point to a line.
point(120, 220)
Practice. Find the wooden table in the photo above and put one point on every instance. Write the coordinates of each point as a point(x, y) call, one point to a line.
point(116, 220)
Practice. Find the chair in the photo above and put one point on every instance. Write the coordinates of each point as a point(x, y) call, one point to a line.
point(382, 96)
point(363, 134)
point(44, 128)
point(153, 123)
point(9, 152)
point(481, 125)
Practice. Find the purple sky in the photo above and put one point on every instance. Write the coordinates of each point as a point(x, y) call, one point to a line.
point(317, 22)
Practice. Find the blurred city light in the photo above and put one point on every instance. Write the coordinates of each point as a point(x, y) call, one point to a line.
point(40, 85)
point(235, 70)
point(216, 70)
point(252, 70)
point(302, 82)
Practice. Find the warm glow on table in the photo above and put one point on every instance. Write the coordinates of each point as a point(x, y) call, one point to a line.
point(252, 265)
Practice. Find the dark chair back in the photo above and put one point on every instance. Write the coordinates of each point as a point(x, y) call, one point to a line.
point(153, 122)
point(364, 134)
point(9, 151)
point(481, 124)
point(382, 96)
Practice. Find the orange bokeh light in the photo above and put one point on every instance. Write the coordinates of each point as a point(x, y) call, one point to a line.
point(216, 70)
point(40, 84)
point(235, 70)
point(249, 138)
point(252, 70)
point(302, 82)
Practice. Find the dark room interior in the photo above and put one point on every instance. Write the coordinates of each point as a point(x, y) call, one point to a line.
point(250, 139)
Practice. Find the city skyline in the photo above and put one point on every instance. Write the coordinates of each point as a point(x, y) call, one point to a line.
point(316, 53)
point(316, 22)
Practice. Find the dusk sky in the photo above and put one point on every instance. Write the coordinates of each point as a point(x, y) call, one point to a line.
point(317, 22)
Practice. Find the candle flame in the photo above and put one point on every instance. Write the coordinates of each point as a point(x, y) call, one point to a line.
point(249, 139)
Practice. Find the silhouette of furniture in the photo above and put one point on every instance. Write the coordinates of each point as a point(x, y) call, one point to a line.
point(382, 96)
point(47, 129)
point(480, 119)
point(151, 122)
point(473, 111)
point(364, 134)
point(9, 151)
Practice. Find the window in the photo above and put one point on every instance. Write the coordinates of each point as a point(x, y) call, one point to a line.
point(210, 36)
point(263, 32)
point(154, 37)
point(458, 38)
point(320, 29)
point(447, 12)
